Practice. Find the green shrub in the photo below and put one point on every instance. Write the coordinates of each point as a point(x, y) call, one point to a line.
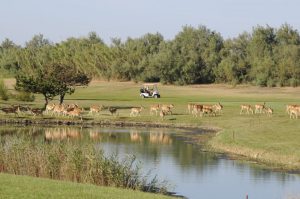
point(25, 97)
point(3, 91)
point(271, 83)
point(294, 82)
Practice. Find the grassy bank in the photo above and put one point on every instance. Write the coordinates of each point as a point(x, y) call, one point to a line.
point(273, 140)
point(12, 186)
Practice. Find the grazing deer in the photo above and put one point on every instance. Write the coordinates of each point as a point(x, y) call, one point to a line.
point(112, 110)
point(36, 111)
point(75, 113)
point(136, 111)
point(209, 111)
point(247, 108)
point(269, 111)
point(162, 114)
point(197, 109)
point(167, 108)
point(10, 110)
point(259, 108)
point(95, 109)
point(23, 109)
point(155, 108)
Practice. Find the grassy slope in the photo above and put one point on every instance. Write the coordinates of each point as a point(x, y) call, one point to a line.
point(12, 186)
point(271, 139)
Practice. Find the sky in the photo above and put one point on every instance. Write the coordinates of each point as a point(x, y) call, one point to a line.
point(58, 20)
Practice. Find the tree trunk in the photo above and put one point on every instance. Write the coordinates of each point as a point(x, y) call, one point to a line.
point(61, 98)
point(46, 102)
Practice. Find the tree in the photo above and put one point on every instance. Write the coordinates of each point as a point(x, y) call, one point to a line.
point(52, 80)
point(67, 78)
point(41, 83)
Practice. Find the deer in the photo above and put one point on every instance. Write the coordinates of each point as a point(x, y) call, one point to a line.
point(293, 112)
point(75, 112)
point(136, 111)
point(36, 111)
point(190, 107)
point(259, 108)
point(269, 111)
point(162, 114)
point(95, 109)
point(218, 108)
point(112, 110)
point(208, 110)
point(197, 108)
point(247, 107)
point(289, 106)
point(49, 107)
point(154, 108)
point(8, 110)
point(167, 108)
point(58, 109)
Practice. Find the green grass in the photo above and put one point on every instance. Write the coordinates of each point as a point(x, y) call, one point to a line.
point(12, 186)
point(273, 140)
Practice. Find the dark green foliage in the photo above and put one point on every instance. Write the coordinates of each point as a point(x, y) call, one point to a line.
point(264, 57)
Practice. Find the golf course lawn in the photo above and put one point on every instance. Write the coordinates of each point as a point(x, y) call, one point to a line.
point(273, 140)
point(12, 186)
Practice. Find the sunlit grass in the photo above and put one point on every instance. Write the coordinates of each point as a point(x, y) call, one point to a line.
point(12, 186)
point(272, 139)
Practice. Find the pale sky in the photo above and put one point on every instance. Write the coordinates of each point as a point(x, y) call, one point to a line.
point(59, 19)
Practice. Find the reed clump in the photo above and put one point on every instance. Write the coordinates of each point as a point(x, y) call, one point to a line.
point(78, 162)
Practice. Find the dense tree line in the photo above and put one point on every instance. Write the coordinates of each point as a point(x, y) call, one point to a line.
point(267, 57)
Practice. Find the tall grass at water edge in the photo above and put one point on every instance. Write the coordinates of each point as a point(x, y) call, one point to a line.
point(81, 163)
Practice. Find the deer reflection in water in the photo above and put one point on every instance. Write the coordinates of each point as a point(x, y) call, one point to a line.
point(159, 137)
point(135, 136)
point(94, 135)
point(62, 134)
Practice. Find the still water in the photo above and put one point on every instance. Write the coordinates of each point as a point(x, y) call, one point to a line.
point(190, 172)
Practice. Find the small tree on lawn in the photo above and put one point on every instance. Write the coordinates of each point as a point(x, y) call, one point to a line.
point(52, 80)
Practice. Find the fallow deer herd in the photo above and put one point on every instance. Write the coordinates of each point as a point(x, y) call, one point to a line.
point(160, 110)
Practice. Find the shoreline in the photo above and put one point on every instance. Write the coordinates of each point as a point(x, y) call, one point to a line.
point(266, 159)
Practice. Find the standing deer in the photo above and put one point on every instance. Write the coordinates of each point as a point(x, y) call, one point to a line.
point(247, 108)
point(136, 111)
point(259, 108)
point(154, 108)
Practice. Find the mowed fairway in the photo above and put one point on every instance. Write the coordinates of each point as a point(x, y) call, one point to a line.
point(274, 140)
point(12, 186)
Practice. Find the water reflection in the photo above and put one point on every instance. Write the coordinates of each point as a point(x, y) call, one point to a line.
point(193, 172)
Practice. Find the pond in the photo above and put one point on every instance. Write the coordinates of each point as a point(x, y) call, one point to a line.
point(190, 171)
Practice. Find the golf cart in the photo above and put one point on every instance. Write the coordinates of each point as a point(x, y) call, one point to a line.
point(149, 90)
